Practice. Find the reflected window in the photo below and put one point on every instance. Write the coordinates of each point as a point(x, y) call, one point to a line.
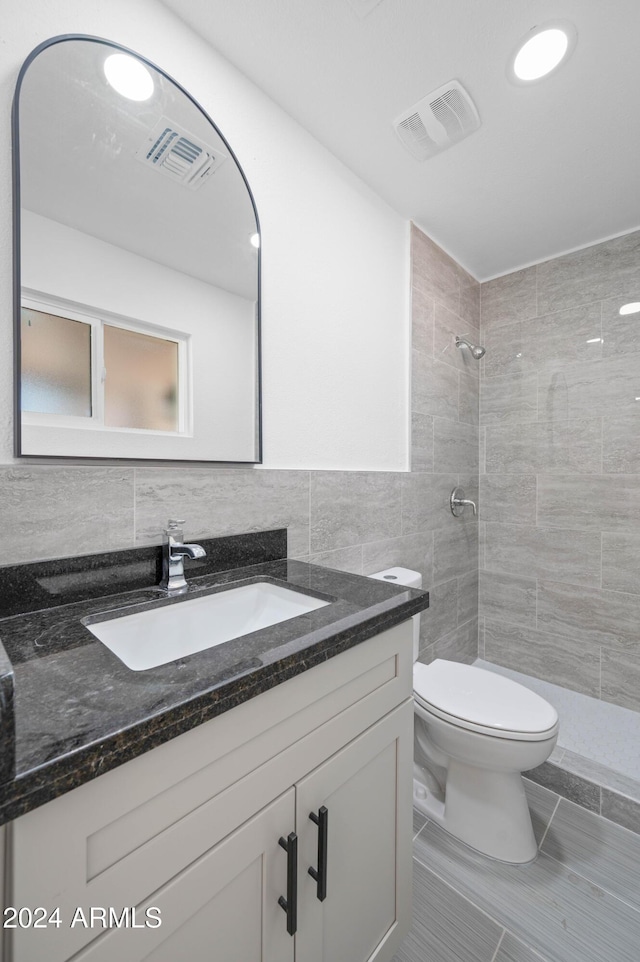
point(56, 364)
point(80, 369)
point(141, 380)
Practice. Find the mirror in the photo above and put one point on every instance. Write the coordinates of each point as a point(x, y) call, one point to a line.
point(138, 266)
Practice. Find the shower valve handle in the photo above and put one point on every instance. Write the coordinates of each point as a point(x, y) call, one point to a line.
point(458, 502)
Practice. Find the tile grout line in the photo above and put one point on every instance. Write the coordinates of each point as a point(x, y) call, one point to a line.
point(135, 521)
point(309, 513)
point(495, 954)
point(555, 809)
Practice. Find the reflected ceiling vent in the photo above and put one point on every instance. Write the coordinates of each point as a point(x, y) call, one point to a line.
point(179, 155)
point(438, 121)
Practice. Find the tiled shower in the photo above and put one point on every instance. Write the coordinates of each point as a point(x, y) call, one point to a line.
point(559, 594)
point(560, 471)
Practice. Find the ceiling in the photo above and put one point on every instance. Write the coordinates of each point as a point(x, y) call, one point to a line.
point(80, 144)
point(553, 167)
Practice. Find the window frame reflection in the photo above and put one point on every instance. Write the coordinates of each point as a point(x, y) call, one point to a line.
point(98, 320)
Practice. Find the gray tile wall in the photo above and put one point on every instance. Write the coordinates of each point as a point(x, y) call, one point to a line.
point(356, 521)
point(560, 476)
point(444, 446)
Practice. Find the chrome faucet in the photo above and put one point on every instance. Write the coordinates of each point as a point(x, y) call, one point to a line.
point(173, 554)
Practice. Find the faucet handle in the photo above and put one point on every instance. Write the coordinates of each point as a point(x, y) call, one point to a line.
point(173, 531)
point(458, 502)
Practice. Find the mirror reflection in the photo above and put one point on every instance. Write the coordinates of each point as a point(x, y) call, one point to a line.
point(138, 334)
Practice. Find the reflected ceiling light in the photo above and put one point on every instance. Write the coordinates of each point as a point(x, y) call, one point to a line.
point(541, 51)
point(632, 308)
point(128, 76)
point(254, 240)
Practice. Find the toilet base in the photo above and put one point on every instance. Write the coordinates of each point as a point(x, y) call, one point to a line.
point(486, 810)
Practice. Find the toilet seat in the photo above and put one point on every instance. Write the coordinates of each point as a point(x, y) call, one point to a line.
point(481, 701)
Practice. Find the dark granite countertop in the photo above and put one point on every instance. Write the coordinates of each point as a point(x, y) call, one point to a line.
point(75, 710)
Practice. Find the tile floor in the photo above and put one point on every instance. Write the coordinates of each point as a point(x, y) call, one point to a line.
point(579, 901)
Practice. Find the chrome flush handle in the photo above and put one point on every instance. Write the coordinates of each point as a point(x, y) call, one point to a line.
point(458, 502)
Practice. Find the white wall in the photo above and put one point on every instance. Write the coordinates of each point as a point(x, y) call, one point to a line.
point(335, 258)
point(71, 265)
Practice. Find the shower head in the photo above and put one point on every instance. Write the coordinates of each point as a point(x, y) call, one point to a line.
point(476, 352)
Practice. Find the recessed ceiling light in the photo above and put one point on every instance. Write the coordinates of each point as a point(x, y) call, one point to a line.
point(542, 50)
point(632, 308)
point(128, 76)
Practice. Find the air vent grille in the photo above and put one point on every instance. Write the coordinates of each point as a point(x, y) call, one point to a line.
point(438, 121)
point(178, 154)
point(413, 132)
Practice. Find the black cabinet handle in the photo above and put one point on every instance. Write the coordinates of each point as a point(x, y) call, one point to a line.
point(290, 903)
point(320, 874)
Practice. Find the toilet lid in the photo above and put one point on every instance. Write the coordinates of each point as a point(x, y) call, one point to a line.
point(481, 697)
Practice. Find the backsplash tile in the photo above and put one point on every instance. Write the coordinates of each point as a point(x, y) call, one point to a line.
point(414, 551)
point(55, 512)
point(348, 508)
point(221, 501)
point(425, 501)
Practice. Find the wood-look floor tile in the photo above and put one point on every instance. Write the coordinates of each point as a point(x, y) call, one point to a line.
point(560, 915)
point(542, 805)
point(445, 926)
point(513, 950)
point(597, 849)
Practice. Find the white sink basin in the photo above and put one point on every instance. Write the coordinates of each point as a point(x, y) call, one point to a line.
point(155, 637)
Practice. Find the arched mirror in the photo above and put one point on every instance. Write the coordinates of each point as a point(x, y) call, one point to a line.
point(137, 266)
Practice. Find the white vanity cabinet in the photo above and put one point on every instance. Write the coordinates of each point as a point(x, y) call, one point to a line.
point(192, 830)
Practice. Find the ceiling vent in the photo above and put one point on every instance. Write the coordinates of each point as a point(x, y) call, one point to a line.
point(179, 155)
point(438, 121)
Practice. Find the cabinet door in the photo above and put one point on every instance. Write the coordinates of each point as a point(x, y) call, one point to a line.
point(366, 789)
point(224, 907)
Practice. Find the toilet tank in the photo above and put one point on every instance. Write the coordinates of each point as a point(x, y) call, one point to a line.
point(408, 579)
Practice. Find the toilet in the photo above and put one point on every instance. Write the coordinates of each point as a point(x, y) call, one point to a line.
point(475, 732)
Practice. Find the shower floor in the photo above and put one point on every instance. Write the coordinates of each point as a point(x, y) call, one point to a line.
point(604, 737)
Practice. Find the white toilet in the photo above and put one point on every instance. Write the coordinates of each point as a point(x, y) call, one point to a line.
point(474, 733)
